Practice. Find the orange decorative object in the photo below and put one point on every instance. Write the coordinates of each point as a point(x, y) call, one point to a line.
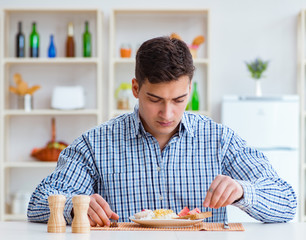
point(125, 52)
point(194, 50)
point(52, 150)
point(22, 87)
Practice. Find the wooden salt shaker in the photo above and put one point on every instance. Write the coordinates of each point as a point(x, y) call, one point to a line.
point(56, 223)
point(80, 223)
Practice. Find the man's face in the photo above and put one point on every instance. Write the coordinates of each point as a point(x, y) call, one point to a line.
point(162, 105)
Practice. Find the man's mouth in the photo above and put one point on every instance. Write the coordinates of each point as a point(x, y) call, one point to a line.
point(165, 124)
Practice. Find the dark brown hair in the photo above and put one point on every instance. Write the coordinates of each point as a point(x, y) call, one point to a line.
point(163, 59)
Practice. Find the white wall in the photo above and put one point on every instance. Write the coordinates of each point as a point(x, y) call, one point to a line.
point(241, 30)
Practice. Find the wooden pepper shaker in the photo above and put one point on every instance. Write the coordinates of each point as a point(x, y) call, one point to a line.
point(56, 222)
point(80, 222)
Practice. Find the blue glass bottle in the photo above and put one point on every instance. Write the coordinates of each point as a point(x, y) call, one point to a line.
point(51, 50)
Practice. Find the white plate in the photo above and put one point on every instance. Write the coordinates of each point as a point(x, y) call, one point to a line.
point(166, 222)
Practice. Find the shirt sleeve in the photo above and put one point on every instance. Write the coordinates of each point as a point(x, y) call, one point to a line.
point(75, 174)
point(267, 197)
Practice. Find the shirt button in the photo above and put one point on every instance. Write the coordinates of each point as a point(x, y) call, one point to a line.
point(158, 169)
point(161, 197)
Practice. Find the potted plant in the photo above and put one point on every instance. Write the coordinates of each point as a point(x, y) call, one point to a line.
point(256, 68)
point(24, 92)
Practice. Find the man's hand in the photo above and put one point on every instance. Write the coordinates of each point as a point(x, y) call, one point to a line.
point(223, 191)
point(99, 211)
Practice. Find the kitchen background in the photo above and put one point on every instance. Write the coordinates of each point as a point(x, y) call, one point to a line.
point(240, 30)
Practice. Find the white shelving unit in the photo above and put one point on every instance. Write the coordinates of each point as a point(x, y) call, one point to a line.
point(134, 26)
point(302, 92)
point(18, 126)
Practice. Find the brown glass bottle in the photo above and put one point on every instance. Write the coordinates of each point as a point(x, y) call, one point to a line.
point(70, 42)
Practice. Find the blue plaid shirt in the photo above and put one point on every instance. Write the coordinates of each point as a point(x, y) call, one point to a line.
point(124, 164)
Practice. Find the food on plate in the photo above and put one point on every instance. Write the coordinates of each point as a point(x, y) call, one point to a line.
point(164, 214)
point(194, 211)
point(195, 216)
point(148, 214)
point(144, 214)
point(185, 213)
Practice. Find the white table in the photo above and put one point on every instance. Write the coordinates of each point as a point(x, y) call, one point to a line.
point(256, 231)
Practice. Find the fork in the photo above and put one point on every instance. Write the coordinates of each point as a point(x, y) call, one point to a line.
point(225, 225)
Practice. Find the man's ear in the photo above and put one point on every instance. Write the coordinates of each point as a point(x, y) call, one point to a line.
point(135, 87)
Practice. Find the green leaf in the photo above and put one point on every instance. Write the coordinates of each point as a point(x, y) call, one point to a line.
point(257, 67)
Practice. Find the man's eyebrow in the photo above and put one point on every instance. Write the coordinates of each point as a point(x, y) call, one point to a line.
point(152, 95)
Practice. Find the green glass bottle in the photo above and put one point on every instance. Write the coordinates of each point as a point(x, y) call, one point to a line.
point(195, 98)
point(34, 42)
point(86, 41)
point(188, 107)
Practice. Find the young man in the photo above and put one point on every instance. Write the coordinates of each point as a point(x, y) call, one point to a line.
point(160, 156)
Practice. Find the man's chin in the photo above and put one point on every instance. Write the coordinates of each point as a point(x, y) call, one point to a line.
point(166, 130)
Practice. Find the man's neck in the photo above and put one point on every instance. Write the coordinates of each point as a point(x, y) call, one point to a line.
point(164, 139)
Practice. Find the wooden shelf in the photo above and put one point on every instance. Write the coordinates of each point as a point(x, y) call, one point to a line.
point(30, 164)
point(15, 217)
point(201, 61)
point(52, 10)
point(50, 112)
point(119, 112)
point(19, 128)
point(132, 60)
point(13, 61)
point(124, 60)
point(162, 11)
point(205, 113)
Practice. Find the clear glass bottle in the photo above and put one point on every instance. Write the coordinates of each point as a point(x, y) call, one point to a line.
point(20, 42)
point(34, 42)
point(86, 41)
point(70, 46)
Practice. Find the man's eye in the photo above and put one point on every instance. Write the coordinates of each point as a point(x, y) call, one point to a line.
point(155, 101)
point(179, 101)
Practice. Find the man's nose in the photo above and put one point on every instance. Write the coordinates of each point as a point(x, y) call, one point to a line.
point(167, 111)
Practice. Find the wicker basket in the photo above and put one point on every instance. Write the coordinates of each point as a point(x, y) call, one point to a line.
point(49, 153)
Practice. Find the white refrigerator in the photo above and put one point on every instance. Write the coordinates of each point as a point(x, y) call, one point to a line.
point(271, 125)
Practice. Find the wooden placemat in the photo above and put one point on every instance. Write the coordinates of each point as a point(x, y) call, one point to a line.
point(203, 226)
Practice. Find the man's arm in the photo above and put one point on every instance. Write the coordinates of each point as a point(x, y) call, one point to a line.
point(266, 197)
point(75, 174)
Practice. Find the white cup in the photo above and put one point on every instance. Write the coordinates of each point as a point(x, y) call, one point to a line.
point(20, 202)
